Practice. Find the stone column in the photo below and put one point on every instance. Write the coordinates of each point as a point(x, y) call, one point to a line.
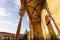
point(18, 29)
point(21, 13)
point(53, 23)
point(44, 33)
point(31, 31)
point(28, 35)
point(44, 26)
point(54, 27)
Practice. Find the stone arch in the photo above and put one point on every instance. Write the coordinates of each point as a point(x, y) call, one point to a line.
point(43, 24)
point(49, 25)
point(50, 28)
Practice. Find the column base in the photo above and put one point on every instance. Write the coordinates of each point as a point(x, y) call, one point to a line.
point(32, 39)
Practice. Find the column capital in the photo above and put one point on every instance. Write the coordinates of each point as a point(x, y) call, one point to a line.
point(21, 12)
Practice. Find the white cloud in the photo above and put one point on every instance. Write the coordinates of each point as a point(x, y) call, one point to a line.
point(3, 12)
point(17, 3)
point(7, 23)
point(27, 18)
point(3, 0)
point(8, 26)
point(1, 29)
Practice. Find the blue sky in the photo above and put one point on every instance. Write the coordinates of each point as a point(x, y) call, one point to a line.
point(9, 16)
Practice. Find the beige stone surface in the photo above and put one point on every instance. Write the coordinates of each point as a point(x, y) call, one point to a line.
point(54, 6)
